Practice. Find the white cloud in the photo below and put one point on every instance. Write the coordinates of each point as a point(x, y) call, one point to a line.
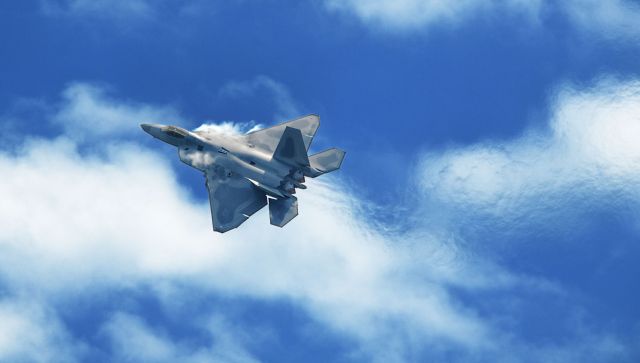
point(77, 221)
point(412, 14)
point(88, 111)
point(119, 218)
point(589, 158)
point(124, 220)
point(132, 340)
point(284, 105)
point(608, 18)
point(30, 333)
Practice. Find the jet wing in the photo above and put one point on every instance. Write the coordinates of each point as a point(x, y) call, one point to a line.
point(268, 139)
point(233, 198)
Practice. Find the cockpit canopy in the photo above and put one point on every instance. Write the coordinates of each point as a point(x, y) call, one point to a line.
point(175, 132)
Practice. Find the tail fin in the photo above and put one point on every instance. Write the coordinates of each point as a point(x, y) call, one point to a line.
point(291, 148)
point(325, 162)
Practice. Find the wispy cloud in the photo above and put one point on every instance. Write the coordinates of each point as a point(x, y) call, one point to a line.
point(129, 16)
point(283, 103)
point(345, 275)
point(118, 10)
point(132, 340)
point(588, 157)
point(120, 219)
point(416, 14)
point(608, 18)
point(604, 18)
point(87, 110)
point(31, 333)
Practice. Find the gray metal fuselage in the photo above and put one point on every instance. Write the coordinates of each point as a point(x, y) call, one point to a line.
point(232, 153)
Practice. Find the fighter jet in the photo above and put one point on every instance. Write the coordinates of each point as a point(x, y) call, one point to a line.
point(245, 172)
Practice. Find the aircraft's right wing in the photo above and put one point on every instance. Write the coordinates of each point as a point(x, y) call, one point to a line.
point(268, 139)
point(233, 198)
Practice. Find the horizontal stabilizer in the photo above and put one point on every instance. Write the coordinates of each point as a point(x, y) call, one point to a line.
point(325, 162)
point(291, 149)
point(282, 211)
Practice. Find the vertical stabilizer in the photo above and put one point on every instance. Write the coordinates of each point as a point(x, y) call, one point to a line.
point(291, 149)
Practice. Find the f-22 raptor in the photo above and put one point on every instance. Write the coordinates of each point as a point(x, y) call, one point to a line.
point(245, 172)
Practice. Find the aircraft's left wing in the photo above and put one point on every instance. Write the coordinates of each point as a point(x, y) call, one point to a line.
point(233, 198)
point(268, 139)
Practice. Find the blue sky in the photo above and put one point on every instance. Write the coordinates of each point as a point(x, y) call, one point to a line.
point(487, 210)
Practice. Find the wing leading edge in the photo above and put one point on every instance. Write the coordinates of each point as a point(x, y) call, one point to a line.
point(233, 199)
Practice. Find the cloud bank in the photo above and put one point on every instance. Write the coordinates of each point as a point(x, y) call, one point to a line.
point(123, 220)
point(78, 223)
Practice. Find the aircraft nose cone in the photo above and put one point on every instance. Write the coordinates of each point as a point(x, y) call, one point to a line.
point(146, 127)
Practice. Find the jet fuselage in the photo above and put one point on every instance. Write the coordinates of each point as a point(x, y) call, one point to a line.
point(232, 154)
